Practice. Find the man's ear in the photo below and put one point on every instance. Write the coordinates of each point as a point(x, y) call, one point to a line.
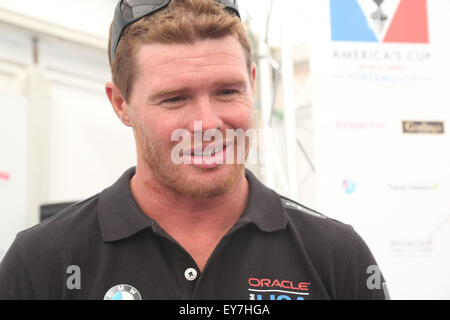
point(118, 103)
point(253, 79)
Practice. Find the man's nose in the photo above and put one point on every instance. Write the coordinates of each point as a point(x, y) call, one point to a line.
point(207, 114)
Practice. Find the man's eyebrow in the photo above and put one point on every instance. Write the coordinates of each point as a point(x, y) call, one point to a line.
point(231, 82)
point(166, 92)
point(173, 91)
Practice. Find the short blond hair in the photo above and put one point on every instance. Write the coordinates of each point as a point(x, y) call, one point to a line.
point(182, 21)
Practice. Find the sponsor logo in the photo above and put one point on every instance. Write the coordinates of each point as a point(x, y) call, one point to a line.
point(427, 127)
point(5, 176)
point(411, 247)
point(122, 292)
point(382, 21)
point(349, 186)
point(421, 246)
point(413, 187)
point(369, 38)
point(360, 126)
point(275, 289)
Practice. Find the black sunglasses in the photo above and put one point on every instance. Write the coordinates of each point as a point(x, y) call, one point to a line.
point(129, 11)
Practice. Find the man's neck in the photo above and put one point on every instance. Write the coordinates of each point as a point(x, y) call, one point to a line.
point(177, 213)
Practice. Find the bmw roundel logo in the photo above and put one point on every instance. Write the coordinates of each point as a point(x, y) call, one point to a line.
point(122, 292)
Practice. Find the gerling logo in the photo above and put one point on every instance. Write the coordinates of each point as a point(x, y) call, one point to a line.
point(395, 21)
point(429, 127)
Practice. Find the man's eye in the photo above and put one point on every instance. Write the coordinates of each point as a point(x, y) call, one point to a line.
point(173, 100)
point(229, 91)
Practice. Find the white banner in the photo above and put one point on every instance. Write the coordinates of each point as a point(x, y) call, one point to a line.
point(381, 79)
point(13, 169)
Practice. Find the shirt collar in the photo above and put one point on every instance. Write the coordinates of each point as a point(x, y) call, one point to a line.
point(264, 206)
point(121, 217)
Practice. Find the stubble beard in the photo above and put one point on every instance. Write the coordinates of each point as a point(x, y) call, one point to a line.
point(173, 177)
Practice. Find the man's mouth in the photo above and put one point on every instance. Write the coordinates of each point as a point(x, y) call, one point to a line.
point(207, 156)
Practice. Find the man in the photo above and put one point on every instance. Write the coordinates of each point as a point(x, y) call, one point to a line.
point(200, 228)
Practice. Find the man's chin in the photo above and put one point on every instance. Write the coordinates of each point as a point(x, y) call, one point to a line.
point(205, 183)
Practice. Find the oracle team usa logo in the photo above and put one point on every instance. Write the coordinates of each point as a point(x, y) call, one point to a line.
point(277, 289)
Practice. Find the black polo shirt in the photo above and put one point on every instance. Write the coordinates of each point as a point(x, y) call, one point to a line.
point(106, 248)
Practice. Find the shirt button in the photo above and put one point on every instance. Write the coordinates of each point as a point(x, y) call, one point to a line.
point(190, 274)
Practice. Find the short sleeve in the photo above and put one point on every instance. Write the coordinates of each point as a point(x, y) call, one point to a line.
point(363, 278)
point(15, 283)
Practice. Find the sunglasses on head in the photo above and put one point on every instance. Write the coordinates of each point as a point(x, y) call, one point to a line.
point(129, 11)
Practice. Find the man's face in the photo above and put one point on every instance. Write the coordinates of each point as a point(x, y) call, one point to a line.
point(177, 85)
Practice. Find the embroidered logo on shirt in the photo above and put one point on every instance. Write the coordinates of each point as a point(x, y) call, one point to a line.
point(275, 289)
point(122, 292)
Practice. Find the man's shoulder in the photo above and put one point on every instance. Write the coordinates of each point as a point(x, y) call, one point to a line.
point(32, 267)
point(317, 229)
point(71, 221)
point(303, 217)
point(338, 253)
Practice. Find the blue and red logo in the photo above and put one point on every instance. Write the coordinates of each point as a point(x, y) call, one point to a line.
point(349, 186)
point(394, 21)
